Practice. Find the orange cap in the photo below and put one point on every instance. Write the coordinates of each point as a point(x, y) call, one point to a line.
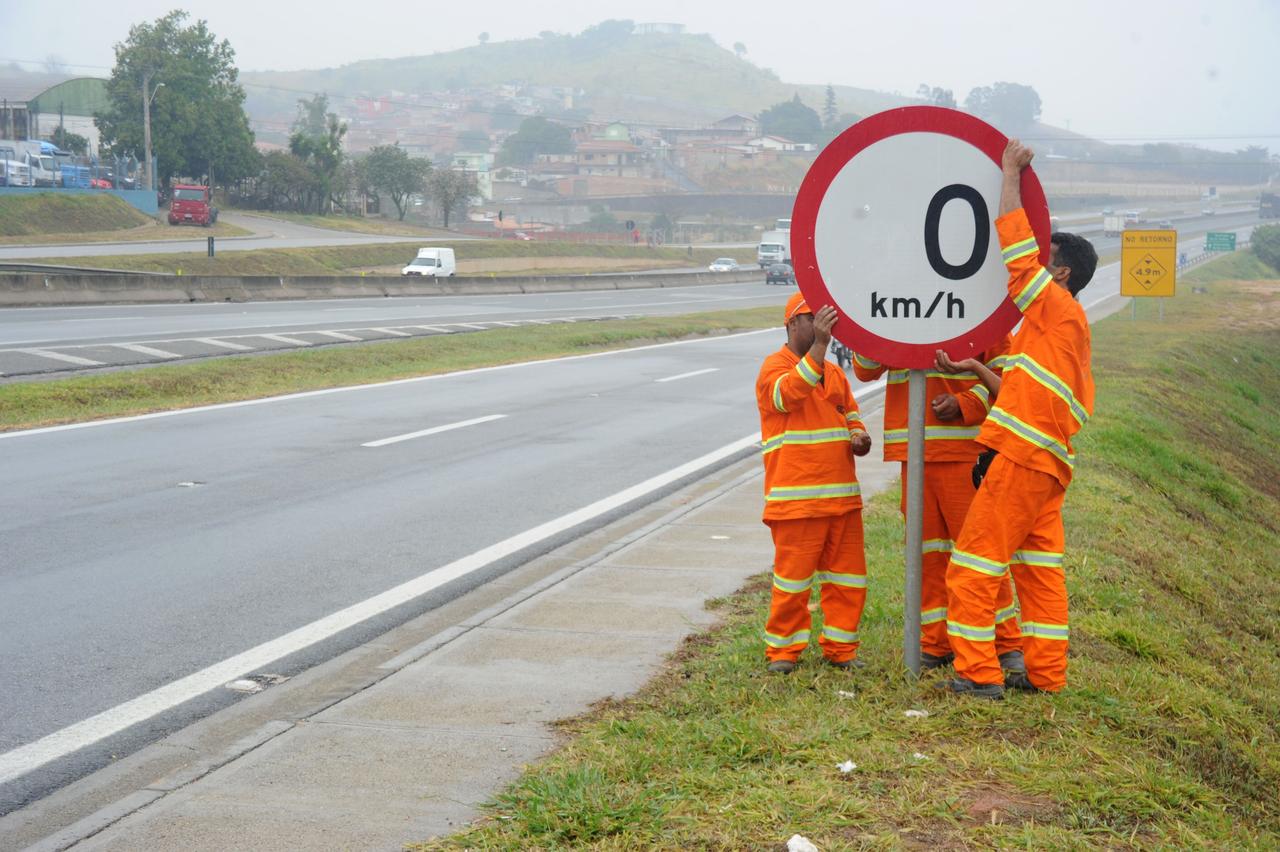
point(795, 305)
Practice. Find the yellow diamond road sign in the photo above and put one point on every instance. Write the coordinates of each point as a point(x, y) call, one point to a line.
point(1148, 263)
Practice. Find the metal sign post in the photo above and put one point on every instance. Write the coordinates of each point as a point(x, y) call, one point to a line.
point(915, 520)
point(893, 226)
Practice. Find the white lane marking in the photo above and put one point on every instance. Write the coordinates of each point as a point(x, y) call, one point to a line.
point(24, 759)
point(434, 328)
point(474, 325)
point(280, 338)
point(392, 332)
point(225, 344)
point(58, 356)
point(435, 430)
point(337, 335)
point(146, 350)
point(677, 378)
point(178, 412)
point(104, 319)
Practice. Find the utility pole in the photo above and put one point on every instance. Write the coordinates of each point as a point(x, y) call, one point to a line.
point(146, 127)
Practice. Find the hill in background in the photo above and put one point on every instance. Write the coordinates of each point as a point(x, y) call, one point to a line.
point(680, 79)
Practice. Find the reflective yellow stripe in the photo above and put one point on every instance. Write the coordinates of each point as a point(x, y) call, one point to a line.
point(1050, 381)
point(983, 395)
point(807, 371)
point(1006, 614)
point(1045, 631)
point(813, 492)
point(798, 638)
point(852, 581)
point(971, 632)
point(1038, 558)
point(835, 634)
point(978, 563)
point(864, 362)
point(1022, 248)
point(794, 587)
point(934, 433)
point(777, 395)
point(1031, 434)
point(805, 436)
point(1034, 288)
point(933, 616)
point(937, 545)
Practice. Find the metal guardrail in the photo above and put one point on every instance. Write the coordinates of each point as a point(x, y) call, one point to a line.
point(53, 269)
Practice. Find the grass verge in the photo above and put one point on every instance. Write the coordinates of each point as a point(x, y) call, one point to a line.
point(1168, 735)
point(352, 224)
point(28, 405)
point(342, 260)
point(50, 217)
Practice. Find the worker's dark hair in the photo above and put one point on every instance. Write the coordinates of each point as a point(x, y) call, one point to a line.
point(1077, 254)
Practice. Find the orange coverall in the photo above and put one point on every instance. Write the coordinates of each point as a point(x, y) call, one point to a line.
point(950, 449)
point(1015, 522)
point(813, 505)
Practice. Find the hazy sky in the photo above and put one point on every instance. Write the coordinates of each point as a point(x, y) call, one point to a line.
point(1119, 69)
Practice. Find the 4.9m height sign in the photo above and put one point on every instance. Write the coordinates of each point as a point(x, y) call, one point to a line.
point(893, 226)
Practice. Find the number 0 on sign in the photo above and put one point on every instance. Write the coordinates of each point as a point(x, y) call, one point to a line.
point(894, 226)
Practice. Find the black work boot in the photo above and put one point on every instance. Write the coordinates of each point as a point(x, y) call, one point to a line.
point(782, 666)
point(1011, 661)
point(934, 661)
point(1020, 682)
point(962, 686)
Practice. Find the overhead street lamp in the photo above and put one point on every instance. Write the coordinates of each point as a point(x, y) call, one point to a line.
point(146, 125)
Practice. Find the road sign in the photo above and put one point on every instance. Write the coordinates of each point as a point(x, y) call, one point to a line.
point(1148, 263)
point(893, 226)
point(1220, 241)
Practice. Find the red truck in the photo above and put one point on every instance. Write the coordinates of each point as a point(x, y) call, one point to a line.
point(191, 205)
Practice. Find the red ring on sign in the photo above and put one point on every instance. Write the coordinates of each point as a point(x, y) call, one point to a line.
point(846, 146)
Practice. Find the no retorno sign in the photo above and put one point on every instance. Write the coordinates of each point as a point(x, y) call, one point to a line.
point(894, 226)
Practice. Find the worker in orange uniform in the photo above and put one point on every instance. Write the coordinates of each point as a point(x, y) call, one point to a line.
point(811, 431)
point(959, 402)
point(1015, 521)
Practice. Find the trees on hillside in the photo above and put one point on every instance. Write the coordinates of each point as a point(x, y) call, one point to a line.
point(1012, 107)
point(390, 170)
point(937, 95)
point(792, 120)
point(198, 124)
point(536, 136)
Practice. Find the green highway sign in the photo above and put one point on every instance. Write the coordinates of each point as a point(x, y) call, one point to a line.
point(1220, 241)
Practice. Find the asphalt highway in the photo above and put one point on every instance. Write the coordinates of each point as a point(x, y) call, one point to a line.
point(142, 554)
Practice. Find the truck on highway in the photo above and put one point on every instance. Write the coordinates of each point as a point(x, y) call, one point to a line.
point(190, 205)
point(13, 170)
point(1112, 226)
point(1269, 206)
point(775, 247)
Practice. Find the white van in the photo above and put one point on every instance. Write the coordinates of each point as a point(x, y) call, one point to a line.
point(436, 262)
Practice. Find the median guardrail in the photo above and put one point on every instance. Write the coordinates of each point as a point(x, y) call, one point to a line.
point(99, 288)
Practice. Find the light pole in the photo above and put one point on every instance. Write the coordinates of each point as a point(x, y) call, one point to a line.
point(147, 98)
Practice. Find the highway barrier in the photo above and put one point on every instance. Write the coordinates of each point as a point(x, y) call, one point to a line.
point(28, 289)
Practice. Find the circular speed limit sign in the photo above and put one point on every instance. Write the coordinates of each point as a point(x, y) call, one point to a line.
point(894, 226)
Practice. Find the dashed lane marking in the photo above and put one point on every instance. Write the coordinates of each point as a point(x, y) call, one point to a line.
point(150, 352)
point(58, 356)
point(435, 430)
point(280, 338)
point(337, 335)
point(224, 344)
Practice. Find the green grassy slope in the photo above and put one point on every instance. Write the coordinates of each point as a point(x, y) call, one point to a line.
point(63, 213)
point(1168, 735)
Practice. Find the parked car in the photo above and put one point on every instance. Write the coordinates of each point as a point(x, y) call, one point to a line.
point(99, 183)
point(779, 273)
point(1165, 223)
point(521, 235)
point(723, 264)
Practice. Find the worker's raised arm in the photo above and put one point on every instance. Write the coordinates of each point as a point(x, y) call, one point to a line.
point(1029, 282)
point(867, 369)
